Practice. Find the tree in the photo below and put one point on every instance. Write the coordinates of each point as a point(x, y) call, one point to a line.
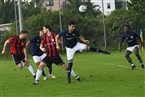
point(137, 5)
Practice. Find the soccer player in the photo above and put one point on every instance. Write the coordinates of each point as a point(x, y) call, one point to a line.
point(70, 36)
point(133, 46)
point(48, 45)
point(37, 54)
point(18, 50)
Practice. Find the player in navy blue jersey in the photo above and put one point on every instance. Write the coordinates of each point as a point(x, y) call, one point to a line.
point(37, 54)
point(70, 36)
point(133, 46)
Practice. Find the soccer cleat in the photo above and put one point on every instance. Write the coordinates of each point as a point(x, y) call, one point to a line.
point(133, 67)
point(106, 52)
point(45, 78)
point(36, 82)
point(77, 78)
point(52, 76)
point(142, 66)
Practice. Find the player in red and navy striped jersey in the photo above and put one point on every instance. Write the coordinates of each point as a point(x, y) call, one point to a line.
point(18, 50)
point(48, 45)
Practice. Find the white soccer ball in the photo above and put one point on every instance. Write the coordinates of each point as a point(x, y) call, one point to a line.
point(83, 8)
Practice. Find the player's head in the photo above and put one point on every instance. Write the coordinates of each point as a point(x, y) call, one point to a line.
point(71, 26)
point(46, 28)
point(41, 33)
point(127, 28)
point(24, 34)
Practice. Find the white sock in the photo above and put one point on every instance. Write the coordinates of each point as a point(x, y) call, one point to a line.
point(38, 74)
point(23, 64)
point(30, 68)
point(73, 73)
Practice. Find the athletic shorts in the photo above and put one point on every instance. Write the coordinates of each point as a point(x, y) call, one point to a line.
point(131, 49)
point(18, 58)
point(39, 58)
point(71, 51)
point(55, 59)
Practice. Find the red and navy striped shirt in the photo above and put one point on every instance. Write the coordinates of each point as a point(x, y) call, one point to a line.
point(17, 45)
point(49, 43)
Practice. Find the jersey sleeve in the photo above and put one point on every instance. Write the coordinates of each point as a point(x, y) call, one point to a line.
point(42, 42)
point(62, 33)
point(33, 39)
point(11, 39)
point(24, 43)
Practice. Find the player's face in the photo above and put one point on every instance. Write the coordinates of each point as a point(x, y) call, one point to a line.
point(126, 29)
point(41, 33)
point(24, 36)
point(71, 28)
point(45, 30)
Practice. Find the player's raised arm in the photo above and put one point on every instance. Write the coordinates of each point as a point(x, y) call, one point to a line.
point(57, 42)
point(4, 46)
point(83, 40)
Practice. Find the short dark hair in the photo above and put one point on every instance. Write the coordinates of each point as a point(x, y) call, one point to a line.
point(24, 32)
point(48, 27)
point(71, 23)
point(40, 29)
point(128, 26)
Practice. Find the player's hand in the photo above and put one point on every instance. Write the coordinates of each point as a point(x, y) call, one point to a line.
point(58, 47)
point(3, 52)
point(87, 41)
point(43, 49)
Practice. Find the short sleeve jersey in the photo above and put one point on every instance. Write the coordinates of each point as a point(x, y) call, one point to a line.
point(130, 38)
point(35, 45)
point(70, 39)
point(17, 45)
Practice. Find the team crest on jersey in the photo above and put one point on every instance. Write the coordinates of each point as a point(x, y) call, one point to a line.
point(66, 34)
point(131, 37)
point(52, 40)
point(22, 44)
point(73, 34)
point(37, 40)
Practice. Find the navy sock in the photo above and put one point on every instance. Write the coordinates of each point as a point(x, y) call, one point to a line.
point(70, 64)
point(95, 49)
point(140, 60)
point(43, 73)
point(50, 68)
point(131, 62)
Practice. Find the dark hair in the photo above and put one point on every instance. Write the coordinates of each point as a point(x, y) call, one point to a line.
point(24, 32)
point(41, 29)
point(71, 23)
point(129, 27)
point(48, 27)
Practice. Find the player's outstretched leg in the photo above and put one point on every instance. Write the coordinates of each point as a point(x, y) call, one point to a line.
point(136, 51)
point(64, 66)
point(98, 50)
point(70, 63)
point(127, 55)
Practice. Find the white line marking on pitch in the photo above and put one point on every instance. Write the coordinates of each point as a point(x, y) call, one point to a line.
point(116, 65)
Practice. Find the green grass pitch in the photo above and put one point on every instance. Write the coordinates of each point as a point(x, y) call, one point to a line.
point(102, 76)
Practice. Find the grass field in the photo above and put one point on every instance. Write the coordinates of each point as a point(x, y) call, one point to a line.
point(102, 76)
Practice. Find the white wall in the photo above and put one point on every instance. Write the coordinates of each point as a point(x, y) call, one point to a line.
point(106, 10)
